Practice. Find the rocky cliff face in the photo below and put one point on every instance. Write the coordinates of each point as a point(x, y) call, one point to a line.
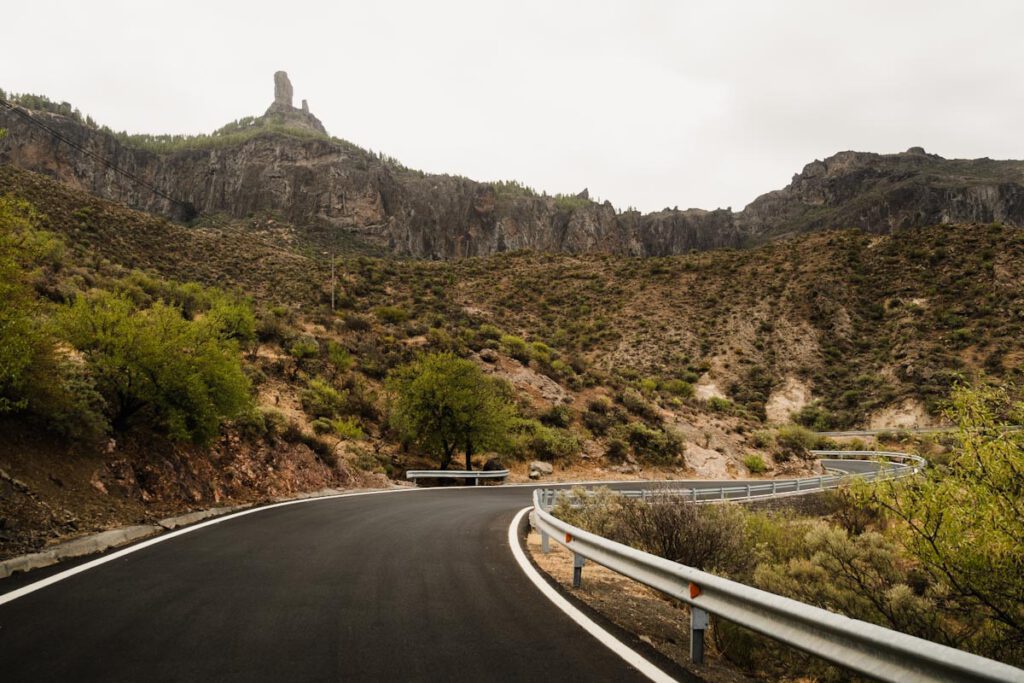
point(885, 192)
point(311, 179)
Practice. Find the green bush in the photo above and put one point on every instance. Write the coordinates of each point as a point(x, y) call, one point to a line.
point(815, 416)
point(488, 331)
point(339, 357)
point(601, 416)
point(717, 404)
point(515, 347)
point(152, 364)
point(763, 439)
point(635, 403)
point(796, 441)
point(345, 428)
point(658, 446)
point(677, 387)
point(531, 439)
point(556, 416)
point(320, 399)
point(755, 463)
point(391, 315)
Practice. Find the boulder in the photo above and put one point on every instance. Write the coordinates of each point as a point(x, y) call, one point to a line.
point(540, 469)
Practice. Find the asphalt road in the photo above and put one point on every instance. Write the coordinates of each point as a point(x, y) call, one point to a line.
point(417, 585)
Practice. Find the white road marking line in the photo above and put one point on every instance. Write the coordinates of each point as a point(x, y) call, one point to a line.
point(631, 656)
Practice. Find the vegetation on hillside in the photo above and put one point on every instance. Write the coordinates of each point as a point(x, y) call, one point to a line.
point(84, 361)
point(863, 322)
point(939, 556)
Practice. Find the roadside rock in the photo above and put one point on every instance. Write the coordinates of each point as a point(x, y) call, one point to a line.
point(540, 469)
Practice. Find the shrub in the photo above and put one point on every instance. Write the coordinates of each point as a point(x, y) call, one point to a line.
point(755, 463)
point(347, 429)
point(677, 387)
point(796, 441)
point(556, 416)
point(356, 322)
point(304, 347)
point(320, 399)
point(655, 445)
point(339, 357)
point(707, 537)
point(717, 404)
point(598, 511)
point(763, 439)
point(184, 376)
point(617, 450)
point(516, 347)
point(530, 438)
point(488, 331)
point(635, 403)
point(815, 416)
point(391, 315)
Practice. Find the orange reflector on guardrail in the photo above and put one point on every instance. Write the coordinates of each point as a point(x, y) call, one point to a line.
point(694, 590)
point(568, 538)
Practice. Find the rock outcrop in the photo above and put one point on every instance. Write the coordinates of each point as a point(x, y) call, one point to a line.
point(311, 179)
point(281, 111)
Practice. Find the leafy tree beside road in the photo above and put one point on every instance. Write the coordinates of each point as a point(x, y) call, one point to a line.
point(445, 404)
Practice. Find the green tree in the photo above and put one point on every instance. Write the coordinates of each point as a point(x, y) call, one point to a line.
point(964, 522)
point(185, 376)
point(24, 338)
point(445, 404)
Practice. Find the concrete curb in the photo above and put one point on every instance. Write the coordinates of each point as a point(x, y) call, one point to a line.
point(87, 545)
point(113, 538)
point(171, 523)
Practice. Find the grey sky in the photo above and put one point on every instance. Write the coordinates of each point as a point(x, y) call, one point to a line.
point(649, 104)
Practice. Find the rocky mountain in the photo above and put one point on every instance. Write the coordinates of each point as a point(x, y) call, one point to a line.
point(285, 163)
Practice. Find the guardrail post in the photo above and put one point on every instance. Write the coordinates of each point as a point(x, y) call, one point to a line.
point(698, 623)
point(577, 569)
point(545, 546)
point(748, 490)
point(775, 487)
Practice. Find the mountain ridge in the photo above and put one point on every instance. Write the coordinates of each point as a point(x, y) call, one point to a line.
point(284, 162)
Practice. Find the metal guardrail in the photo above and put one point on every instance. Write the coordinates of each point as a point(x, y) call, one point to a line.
point(891, 466)
point(472, 475)
point(858, 645)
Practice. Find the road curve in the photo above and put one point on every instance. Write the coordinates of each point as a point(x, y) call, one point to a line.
point(416, 585)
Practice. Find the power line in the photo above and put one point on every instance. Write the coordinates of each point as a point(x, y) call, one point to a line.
point(189, 208)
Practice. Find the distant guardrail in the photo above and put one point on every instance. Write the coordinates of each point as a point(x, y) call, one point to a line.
point(471, 475)
point(858, 645)
point(886, 465)
point(907, 430)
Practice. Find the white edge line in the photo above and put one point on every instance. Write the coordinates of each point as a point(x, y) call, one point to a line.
point(631, 656)
point(50, 580)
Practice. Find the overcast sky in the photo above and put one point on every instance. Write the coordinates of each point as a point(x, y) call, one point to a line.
point(648, 104)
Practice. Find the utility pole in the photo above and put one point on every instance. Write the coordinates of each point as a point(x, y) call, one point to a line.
point(332, 280)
